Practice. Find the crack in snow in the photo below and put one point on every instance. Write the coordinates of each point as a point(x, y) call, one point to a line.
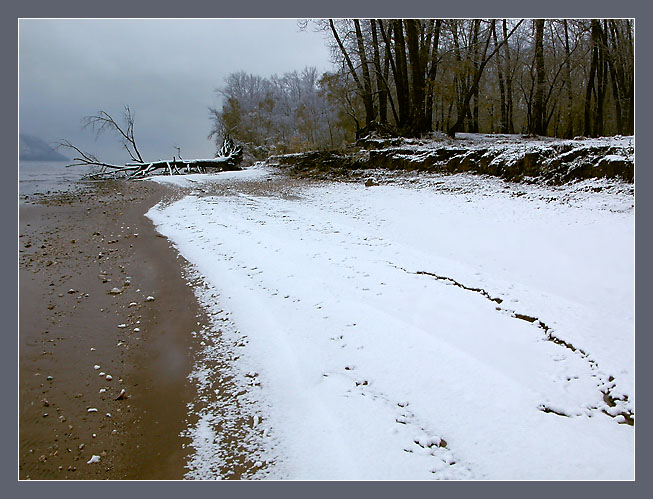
point(624, 416)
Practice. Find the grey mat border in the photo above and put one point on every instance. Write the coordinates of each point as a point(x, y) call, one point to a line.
point(301, 9)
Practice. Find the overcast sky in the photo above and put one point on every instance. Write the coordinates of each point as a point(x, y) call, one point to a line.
point(165, 70)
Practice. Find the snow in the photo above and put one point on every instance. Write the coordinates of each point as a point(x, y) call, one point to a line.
point(512, 141)
point(385, 332)
point(248, 174)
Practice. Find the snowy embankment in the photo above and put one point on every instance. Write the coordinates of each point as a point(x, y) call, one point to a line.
point(454, 327)
point(511, 157)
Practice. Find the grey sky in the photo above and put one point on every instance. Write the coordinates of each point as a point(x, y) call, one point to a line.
point(166, 70)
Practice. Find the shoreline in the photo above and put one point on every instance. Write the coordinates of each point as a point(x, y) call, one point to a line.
point(74, 248)
point(207, 278)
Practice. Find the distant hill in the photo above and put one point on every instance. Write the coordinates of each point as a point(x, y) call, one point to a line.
point(34, 149)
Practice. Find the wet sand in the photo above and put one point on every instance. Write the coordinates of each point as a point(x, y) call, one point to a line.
point(73, 250)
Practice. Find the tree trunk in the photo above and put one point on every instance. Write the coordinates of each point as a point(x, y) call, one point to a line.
point(569, 131)
point(401, 77)
point(611, 49)
point(417, 122)
point(390, 60)
point(380, 84)
point(228, 158)
point(631, 86)
point(538, 105)
point(509, 103)
point(458, 78)
point(476, 25)
point(433, 70)
point(368, 112)
point(368, 100)
point(503, 126)
point(590, 85)
point(601, 77)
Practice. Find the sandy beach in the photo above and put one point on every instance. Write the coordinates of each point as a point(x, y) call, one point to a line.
point(81, 345)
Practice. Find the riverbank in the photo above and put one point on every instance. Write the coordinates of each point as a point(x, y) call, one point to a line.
point(74, 249)
point(508, 156)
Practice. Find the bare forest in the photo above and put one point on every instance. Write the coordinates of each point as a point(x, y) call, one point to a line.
point(414, 77)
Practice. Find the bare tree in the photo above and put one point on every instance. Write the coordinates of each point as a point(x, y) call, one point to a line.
point(537, 122)
point(477, 75)
point(101, 122)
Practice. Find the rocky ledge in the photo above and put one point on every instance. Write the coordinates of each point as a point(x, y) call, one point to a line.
point(511, 157)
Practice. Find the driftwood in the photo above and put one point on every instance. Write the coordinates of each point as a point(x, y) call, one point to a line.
point(228, 158)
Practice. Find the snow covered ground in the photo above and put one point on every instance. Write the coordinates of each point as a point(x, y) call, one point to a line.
point(431, 327)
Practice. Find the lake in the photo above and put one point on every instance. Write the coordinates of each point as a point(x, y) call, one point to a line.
point(47, 177)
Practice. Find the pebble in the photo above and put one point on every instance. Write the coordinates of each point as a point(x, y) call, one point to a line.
point(96, 367)
point(115, 291)
point(94, 459)
point(108, 377)
point(149, 298)
point(92, 409)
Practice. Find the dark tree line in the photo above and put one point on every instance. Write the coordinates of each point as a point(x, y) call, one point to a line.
point(548, 77)
point(556, 77)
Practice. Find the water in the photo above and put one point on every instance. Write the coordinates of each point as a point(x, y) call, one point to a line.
point(47, 177)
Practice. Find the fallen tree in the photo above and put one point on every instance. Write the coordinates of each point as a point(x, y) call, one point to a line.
point(228, 157)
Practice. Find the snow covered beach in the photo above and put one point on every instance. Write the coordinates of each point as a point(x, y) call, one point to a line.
point(431, 327)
